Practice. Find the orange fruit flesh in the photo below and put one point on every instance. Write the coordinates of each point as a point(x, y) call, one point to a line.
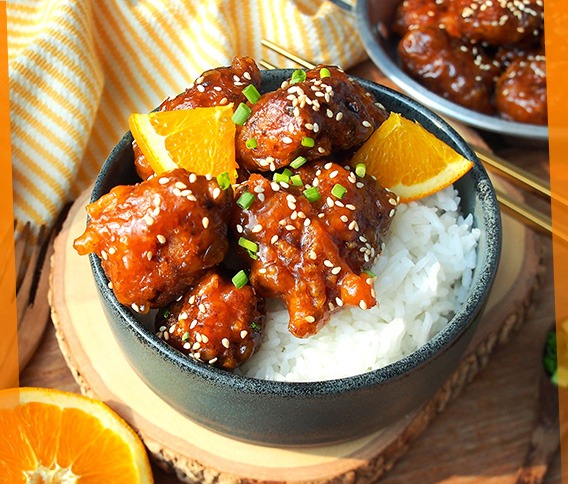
point(53, 434)
point(409, 160)
point(201, 140)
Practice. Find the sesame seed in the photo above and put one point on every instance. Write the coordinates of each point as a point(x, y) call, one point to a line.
point(336, 270)
point(262, 270)
point(366, 124)
point(310, 319)
point(350, 206)
point(104, 254)
point(274, 239)
point(191, 299)
point(239, 228)
point(149, 255)
point(225, 342)
point(246, 75)
point(307, 222)
point(328, 263)
point(256, 229)
point(163, 180)
point(339, 116)
point(205, 222)
point(287, 140)
point(244, 333)
point(312, 255)
point(186, 346)
point(339, 301)
point(201, 308)
point(214, 360)
point(216, 193)
point(290, 227)
point(392, 212)
point(362, 304)
point(344, 218)
point(111, 250)
point(274, 186)
point(193, 324)
point(148, 219)
point(196, 346)
point(329, 113)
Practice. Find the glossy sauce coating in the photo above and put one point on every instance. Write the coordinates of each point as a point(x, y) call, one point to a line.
point(312, 254)
point(415, 14)
point(335, 112)
point(497, 22)
point(155, 238)
point(520, 94)
point(215, 87)
point(461, 73)
point(215, 322)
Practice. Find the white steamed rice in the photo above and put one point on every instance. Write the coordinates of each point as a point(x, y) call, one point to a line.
point(423, 277)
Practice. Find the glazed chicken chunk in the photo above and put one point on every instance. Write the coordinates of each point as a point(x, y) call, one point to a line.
point(310, 248)
point(310, 118)
point(460, 72)
point(215, 87)
point(520, 93)
point(157, 237)
point(215, 322)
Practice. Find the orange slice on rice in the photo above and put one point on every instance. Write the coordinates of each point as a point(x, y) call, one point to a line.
point(53, 436)
point(409, 160)
point(201, 140)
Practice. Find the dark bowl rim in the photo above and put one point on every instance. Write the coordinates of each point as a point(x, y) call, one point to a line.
point(432, 100)
point(459, 323)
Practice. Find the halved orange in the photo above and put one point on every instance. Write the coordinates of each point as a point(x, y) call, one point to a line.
point(201, 140)
point(54, 436)
point(409, 160)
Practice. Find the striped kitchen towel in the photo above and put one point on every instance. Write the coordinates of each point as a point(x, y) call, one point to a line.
point(78, 68)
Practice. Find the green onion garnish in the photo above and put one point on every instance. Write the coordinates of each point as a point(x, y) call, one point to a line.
point(298, 162)
point(245, 200)
point(248, 245)
point(360, 170)
point(224, 180)
point(251, 143)
point(240, 279)
point(312, 194)
point(324, 72)
point(252, 254)
point(280, 177)
point(296, 180)
point(185, 336)
point(298, 76)
point(251, 93)
point(369, 273)
point(166, 313)
point(338, 190)
point(287, 172)
point(308, 142)
point(241, 114)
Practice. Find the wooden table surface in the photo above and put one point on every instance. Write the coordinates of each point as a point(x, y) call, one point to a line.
point(483, 435)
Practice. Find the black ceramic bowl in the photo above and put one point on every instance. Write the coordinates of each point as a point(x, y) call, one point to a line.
point(300, 414)
point(374, 18)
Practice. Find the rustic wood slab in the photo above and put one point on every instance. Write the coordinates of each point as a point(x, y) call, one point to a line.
point(196, 454)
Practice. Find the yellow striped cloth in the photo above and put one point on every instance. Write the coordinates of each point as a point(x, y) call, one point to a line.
point(78, 68)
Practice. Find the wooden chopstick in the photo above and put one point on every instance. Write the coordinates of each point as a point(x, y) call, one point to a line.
point(521, 211)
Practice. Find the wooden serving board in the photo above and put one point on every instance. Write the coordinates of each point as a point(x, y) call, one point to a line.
point(196, 454)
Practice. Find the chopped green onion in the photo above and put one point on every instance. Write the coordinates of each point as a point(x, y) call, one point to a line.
point(166, 313)
point(185, 336)
point(254, 326)
point(298, 75)
point(251, 93)
point(248, 245)
point(308, 142)
point(245, 200)
point(280, 177)
point(312, 194)
point(241, 114)
point(360, 170)
point(324, 72)
point(338, 190)
point(251, 143)
point(252, 254)
point(296, 180)
point(298, 162)
point(240, 279)
point(287, 172)
point(224, 180)
point(370, 273)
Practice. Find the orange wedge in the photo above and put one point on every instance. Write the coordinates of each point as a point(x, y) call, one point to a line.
point(409, 160)
point(53, 436)
point(201, 140)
